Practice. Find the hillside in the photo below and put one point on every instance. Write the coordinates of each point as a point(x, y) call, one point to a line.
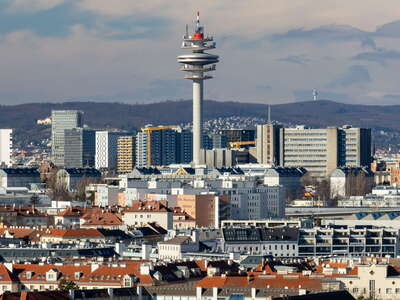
point(23, 117)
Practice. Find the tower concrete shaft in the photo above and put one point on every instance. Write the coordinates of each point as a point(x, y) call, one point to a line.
point(196, 64)
point(197, 119)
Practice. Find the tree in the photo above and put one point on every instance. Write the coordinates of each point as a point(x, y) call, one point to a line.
point(34, 199)
point(57, 190)
point(81, 194)
point(66, 285)
point(323, 189)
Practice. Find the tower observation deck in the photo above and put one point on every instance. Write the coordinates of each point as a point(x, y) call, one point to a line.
point(197, 64)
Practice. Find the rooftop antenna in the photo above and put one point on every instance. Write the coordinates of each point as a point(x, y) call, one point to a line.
point(315, 94)
point(269, 114)
point(198, 20)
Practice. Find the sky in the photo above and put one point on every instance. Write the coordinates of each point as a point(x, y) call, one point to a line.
point(270, 51)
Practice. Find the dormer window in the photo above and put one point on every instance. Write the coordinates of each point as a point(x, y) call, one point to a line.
point(77, 275)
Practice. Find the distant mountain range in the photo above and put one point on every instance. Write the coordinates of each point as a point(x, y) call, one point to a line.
point(22, 118)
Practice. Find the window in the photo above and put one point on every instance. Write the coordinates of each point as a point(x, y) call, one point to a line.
point(389, 291)
point(355, 290)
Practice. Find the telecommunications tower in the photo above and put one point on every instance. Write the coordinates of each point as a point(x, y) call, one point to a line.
point(196, 64)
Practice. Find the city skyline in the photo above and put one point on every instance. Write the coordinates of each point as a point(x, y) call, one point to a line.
point(55, 51)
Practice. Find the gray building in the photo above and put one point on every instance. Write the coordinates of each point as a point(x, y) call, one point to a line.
point(80, 148)
point(320, 151)
point(288, 177)
point(268, 144)
point(60, 121)
point(224, 157)
point(19, 177)
point(71, 177)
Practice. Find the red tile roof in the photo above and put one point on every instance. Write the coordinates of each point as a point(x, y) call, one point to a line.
point(147, 206)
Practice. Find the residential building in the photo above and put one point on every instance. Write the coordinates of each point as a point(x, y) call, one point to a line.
point(349, 241)
point(19, 177)
point(125, 154)
point(375, 279)
point(277, 242)
point(79, 148)
point(145, 212)
point(106, 195)
point(156, 146)
point(268, 143)
point(176, 247)
point(60, 121)
point(182, 220)
point(107, 149)
point(206, 210)
point(184, 147)
point(5, 147)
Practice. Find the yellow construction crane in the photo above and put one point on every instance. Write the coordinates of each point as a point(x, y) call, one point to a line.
point(240, 144)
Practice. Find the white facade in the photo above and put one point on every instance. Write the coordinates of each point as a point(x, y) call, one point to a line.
point(141, 218)
point(5, 146)
point(106, 195)
point(106, 149)
point(373, 282)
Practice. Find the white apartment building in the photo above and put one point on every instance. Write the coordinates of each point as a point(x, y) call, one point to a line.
point(373, 281)
point(5, 146)
point(106, 149)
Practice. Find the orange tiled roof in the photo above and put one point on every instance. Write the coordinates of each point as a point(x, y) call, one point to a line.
point(103, 219)
point(73, 233)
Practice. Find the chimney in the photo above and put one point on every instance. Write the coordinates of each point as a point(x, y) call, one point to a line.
point(199, 292)
point(94, 267)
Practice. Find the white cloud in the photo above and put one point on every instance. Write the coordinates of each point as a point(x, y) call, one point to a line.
point(33, 5)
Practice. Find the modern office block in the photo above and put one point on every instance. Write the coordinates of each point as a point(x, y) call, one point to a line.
point(322, 150)
point(79, 149)
point(5, 147)
point(267, 144)
point(60, 121)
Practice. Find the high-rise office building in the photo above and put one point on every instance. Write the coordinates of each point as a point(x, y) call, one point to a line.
point(267, 144)
point(125, 154)
point(106, 149)
point(5, 146)
point(355, 146)
point(80, 148)
point(60, 121)
point(320, 151)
